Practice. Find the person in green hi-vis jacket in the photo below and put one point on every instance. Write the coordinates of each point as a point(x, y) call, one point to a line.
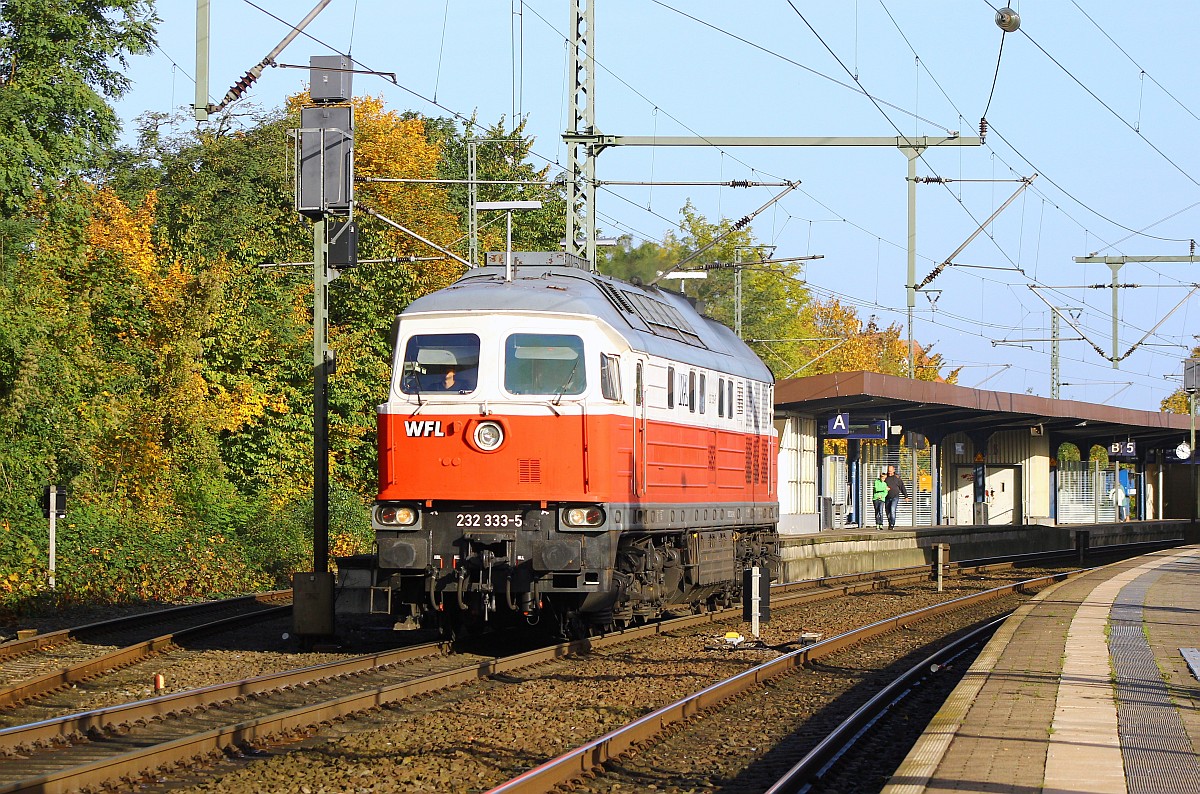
point(879, 492)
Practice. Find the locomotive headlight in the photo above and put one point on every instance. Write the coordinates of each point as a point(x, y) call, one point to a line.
point(396, 515)
point(488, 436)
point(589, 516)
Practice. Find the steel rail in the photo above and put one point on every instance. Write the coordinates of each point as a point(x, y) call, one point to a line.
point(19, 647)
point(244, 733)
point(123, 657)
point(56, 729)
point(272, 726)
point(136, 762)
point(583, 759)
point(814, 764)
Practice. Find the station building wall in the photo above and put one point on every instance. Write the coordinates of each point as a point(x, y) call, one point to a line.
point(797, 473)
point(1018, 450)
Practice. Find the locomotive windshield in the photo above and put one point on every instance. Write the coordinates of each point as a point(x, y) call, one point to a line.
point(544, 364)
point(440, 363)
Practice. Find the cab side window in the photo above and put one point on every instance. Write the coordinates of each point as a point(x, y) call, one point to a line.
point(610, 376)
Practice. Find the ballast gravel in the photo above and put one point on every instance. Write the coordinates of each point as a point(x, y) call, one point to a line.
point(476, 736)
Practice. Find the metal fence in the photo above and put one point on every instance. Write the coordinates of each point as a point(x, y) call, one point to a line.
point(1083, 488)
point(915, 468)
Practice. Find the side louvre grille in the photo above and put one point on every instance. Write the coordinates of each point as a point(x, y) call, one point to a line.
point(530, 470)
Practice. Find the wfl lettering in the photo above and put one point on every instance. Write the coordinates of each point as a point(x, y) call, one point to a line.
point(423, 429)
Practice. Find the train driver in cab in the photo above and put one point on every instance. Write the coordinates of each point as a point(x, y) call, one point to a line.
point(458, 382)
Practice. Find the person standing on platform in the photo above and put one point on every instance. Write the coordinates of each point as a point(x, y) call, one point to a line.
point(1118, 498)
point(896, 489)
point(879, 492)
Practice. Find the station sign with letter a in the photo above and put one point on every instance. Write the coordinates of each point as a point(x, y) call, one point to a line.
point(841, 426)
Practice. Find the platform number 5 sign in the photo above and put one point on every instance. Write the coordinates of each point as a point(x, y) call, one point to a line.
point(1122, 449)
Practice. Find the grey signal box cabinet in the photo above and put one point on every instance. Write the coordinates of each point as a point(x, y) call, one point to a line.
point(325, 160)
point(330, 78)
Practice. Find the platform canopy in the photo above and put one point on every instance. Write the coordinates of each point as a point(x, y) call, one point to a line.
point(937, 410)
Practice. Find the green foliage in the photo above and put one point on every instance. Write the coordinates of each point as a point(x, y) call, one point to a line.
point(107, 556)
point(1067, 453)
point(151, 361)
point(59, 60)
point(501, 155)
point(1178, 402)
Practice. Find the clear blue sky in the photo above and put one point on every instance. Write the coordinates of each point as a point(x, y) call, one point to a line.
point(1097, 97)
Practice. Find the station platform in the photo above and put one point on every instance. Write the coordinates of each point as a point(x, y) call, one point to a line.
point(1085, 688)
point(848, 551)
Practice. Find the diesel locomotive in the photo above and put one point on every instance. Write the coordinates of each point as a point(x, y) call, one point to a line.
point(561, 444)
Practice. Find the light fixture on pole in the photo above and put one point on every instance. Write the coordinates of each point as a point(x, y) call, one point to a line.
point(508, 207)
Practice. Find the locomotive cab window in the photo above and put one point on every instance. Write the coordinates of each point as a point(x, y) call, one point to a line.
point(440, 363)
point(610, 376)
point(550, 364)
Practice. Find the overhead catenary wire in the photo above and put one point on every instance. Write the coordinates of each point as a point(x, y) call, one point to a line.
point(845, 220)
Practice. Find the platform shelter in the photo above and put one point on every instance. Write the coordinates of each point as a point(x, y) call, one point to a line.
point(970, 456)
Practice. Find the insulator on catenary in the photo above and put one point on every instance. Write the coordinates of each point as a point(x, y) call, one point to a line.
point(982, 129)
point(239, 88)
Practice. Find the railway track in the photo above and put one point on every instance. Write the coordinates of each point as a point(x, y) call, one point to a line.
point(125, 742)
point(694, 742)
point(822, 763)
point(35, 667)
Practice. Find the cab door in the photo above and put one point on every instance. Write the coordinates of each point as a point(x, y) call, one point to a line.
point(639, 428)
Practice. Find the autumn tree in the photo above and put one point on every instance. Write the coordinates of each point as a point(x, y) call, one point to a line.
point(60, 60)
point(792, 332)
point(504, 165)
point(1178, 402)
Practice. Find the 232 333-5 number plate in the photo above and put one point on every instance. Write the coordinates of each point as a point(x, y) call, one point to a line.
point(482, 521)
point(506, 520)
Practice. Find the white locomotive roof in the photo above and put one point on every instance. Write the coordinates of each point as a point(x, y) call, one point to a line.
point(656, 321)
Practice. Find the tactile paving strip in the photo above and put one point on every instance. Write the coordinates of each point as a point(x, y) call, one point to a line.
point(1158, 754)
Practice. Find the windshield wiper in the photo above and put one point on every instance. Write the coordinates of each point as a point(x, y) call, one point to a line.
point(412, 380)
point(563, 389)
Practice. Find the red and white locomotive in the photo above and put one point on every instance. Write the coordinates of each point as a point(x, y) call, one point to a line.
point(558, 440)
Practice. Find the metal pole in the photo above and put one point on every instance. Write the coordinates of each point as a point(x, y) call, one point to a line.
point(755, 600)
point(912, 499)
point(1192, 450)
point(1055, 376)
point(472, 200)
point(53, 527)
point(1115, 354)
point(910, 284)
point(508, 268)
point(201, 105)
point(737, 292)
point(320, 400)
point(581, 179)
